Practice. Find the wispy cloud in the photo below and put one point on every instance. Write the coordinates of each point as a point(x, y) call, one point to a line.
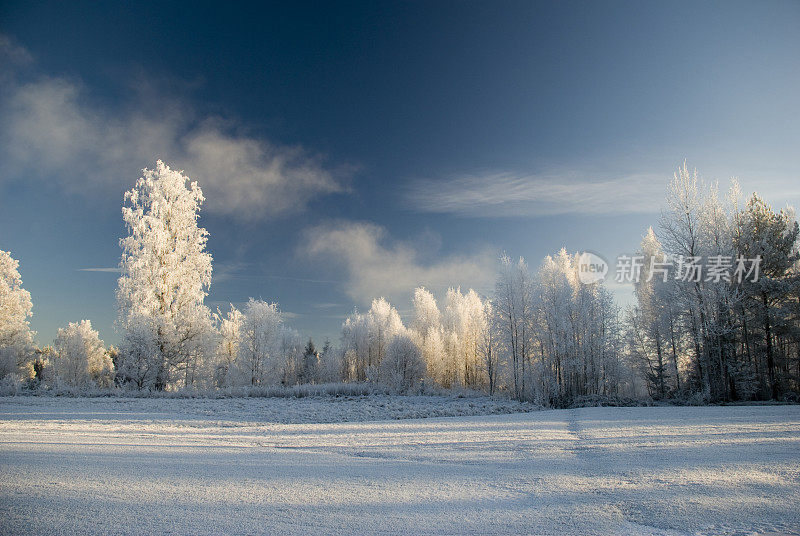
point(513, 194)
point(493, 195)
point(327, 305)
point(110, 269)
point(53, 129)
point(375, 265)
point(13, 54)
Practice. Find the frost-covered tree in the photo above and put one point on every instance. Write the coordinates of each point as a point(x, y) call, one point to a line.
point(738, 337)
point(384, 324)
point(557, 337)
point(229, 327)
point(291, 355)
point(330, 363)
point(576, 345)
point(465, 321)
point(426, 328)
point(700, 309)
point(513, 303)
point(654, 335)
point(402, 367)
point(80, 358)
point(139, 365)
point(489, 347)
point(260, 339)
point(309, 370)
point(683, 237)
point(355, 347)
point(166, 274)
point(256, 348)
point(365, 338)
point(16, 337)
point(771, 305)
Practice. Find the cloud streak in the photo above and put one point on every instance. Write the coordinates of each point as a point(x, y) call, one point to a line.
point(114, 270)
point(509, 194)
point(53, 130)
point(377, 266)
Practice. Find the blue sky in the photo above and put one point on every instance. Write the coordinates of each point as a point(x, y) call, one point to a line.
point(359, 149)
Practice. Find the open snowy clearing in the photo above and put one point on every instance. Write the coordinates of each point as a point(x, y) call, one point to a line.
point(136, 466)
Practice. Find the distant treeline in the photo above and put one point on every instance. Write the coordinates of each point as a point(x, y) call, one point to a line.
point(729, 333)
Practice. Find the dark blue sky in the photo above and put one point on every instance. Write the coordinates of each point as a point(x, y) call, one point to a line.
point(389, 144)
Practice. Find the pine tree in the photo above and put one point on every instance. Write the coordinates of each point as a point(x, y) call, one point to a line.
point(772, 300)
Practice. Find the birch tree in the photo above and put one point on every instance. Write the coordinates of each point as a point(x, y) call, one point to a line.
point(402, 367)
point(426, 327)
point(260, 338)
point(16, 308)
point(229, 327)
point(166, 274)
point(80, 358)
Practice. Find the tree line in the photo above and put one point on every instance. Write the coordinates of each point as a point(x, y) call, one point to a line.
point(543, 335)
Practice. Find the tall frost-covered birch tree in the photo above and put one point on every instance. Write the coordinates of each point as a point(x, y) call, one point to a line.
point(513, 304)
point(166, 274)
point(653, 333)
point(427, 329)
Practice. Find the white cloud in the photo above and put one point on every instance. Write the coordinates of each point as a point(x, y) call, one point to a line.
point(377, 266)
point(52, 130)
point(248, 173)
point(508, 194)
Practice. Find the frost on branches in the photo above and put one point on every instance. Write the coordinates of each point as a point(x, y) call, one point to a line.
point(80, 359)
point(250, 345)
point(16, 337)
point(166, 274)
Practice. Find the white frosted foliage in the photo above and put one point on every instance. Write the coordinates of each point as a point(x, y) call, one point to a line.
point(166, 274)
point(80, 359)
point(16, 337)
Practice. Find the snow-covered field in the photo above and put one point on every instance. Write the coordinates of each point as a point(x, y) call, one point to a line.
point(240, 466)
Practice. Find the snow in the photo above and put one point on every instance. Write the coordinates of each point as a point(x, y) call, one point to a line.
point(246, 466)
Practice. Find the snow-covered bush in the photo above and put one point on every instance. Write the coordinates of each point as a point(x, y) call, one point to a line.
point(11, 384)
point(80, 359)
point(137, 366)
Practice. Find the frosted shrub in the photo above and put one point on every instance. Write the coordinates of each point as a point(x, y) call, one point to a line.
point(79, 358)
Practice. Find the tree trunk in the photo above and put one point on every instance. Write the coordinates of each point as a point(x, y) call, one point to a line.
point(770, 357)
